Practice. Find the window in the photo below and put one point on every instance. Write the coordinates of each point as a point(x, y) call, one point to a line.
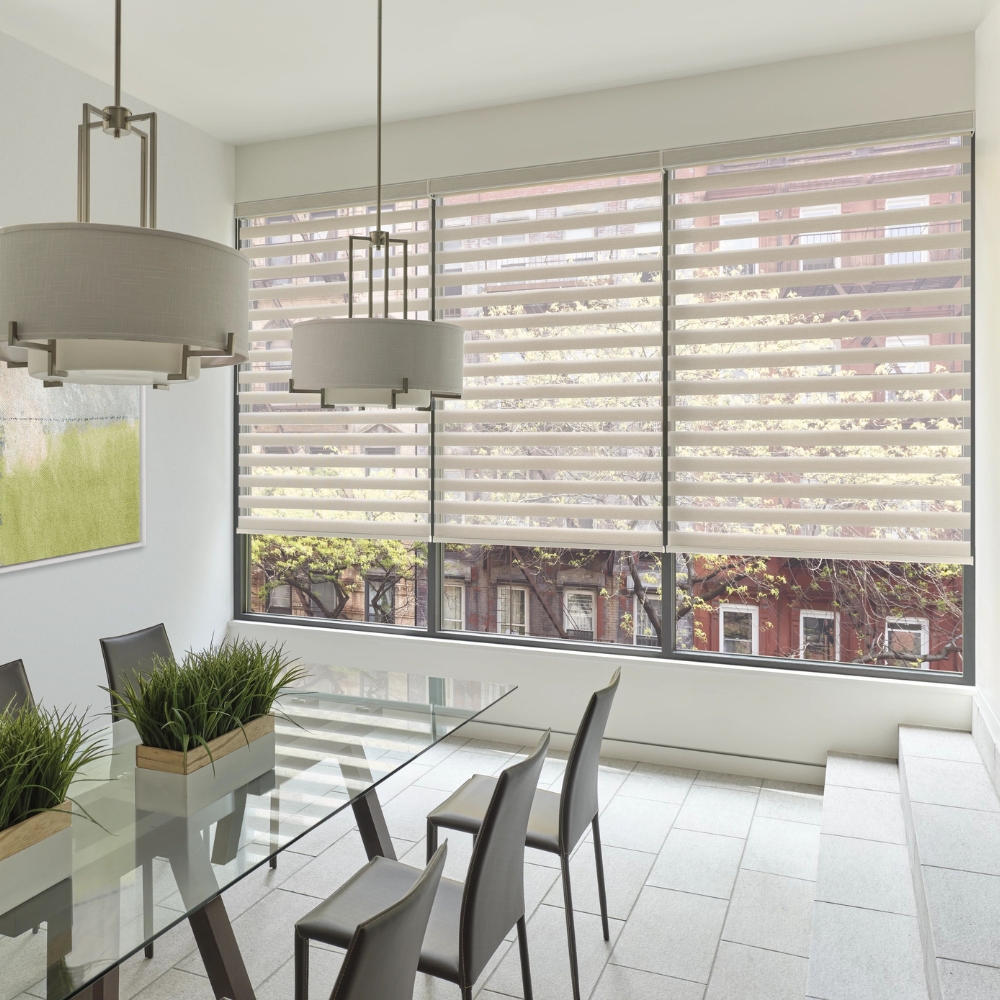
point(644, 632)
point(280, 598)
point(908, 640)
point(512, 610)
point(811, 490)
point(738, 629)
point(821, 434)
point(819, 635)
point(811, 239)
point(453, 607)
point(914, 206)
point(380, 600)
point(579, 615)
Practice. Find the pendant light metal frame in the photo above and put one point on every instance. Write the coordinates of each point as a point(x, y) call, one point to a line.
point(381, 240)
point(117, 121)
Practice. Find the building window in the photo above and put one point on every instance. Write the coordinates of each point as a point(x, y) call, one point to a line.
point(810, 239)
point(916, 201)
point(380, 601)
point(579, 614)
point(819, 635)
point(643, 633)
point(279, 598)
point(453, 607)
point(378, 450)
point(512, 610)
point(908, 640)
point(738, 629)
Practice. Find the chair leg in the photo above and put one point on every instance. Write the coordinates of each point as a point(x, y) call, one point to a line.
point(522, 944)
point(570, 930)
point(432, 840)
point(274, 861)
point(301, 966)
point(147, 905)
point(599, 858)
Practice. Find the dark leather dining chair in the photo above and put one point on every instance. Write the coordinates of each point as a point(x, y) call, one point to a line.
point(15, 691)
point(384, 950)
point(469, 920)
point(133, 655)
point(558, 820)
point(127, 657)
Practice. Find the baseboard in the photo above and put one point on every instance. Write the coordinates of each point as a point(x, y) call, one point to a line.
point(657, 753)
point(986, 733)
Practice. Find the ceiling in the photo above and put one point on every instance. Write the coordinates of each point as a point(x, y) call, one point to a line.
point(246, 70)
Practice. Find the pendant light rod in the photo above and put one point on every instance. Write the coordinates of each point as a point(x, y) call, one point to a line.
point(118, 53)
point(378, 131)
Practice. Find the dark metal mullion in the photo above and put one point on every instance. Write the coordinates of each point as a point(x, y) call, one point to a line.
point(241, 543)
point(968, 572)
point(668, 565)
point(435, 561)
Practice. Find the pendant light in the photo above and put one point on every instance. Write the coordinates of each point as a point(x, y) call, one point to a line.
point(377, 361)
point(119, 305)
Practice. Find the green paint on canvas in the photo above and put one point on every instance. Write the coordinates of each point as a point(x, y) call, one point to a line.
point(83, 496)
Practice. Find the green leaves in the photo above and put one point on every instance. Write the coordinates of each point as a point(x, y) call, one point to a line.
point(40, 754)
point(222, 688)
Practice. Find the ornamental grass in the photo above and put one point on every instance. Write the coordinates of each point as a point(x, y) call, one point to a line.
point(41, 752)
point(211, 693)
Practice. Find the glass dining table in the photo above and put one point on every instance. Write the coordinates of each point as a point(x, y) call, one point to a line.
point(136, 872)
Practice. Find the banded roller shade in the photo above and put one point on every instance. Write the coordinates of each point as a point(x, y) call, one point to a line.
point(819, 331)
point(303, 470)
point(558, 438)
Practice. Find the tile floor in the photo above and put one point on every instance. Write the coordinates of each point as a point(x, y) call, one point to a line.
point(710, 890)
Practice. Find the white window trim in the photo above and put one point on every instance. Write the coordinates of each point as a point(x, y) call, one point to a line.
point(925, 637)
point(567, 593)
point(460, 587)
point(527, 610)
point(755, 633)
point(828, 615)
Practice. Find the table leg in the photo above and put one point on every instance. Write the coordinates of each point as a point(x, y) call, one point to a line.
point(105, 988)
point(220, 952)
point(371, 824)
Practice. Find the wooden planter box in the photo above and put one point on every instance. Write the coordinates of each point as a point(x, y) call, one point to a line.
point(179, 784)
point(35, 854)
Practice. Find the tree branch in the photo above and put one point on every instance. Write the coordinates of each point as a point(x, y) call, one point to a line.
point(541, 600)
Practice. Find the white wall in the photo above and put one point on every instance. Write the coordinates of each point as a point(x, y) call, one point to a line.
point(894, 82)
point(692, 714)
point(52, 616)
point(988, 367)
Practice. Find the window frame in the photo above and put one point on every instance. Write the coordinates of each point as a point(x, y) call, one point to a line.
point(510, 588)
point(586, 592)
point(460, 587)
point(754, 610)
point(667, 650)
point(833, 616)
point(925, 636)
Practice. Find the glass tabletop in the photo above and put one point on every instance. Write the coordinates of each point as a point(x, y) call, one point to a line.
point(159, 846)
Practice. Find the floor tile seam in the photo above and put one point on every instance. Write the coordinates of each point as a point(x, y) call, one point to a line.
point(962, 961)
point(866, 909)
point(729, 903)
point(964, 871)
point(783, 819)
point(760, 947)
point(949, 805)
point(764, 871)
point(662, 975)
point(869, 840)
point(858, 906)
point(864, 788)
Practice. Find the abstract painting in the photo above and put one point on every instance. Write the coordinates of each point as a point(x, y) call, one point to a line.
point(70, 469)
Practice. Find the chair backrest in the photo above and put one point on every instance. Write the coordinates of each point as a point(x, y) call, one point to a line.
point(381, 960)
point(133, 655)
point(578, 805)
point(15, 691)
point(493, 900)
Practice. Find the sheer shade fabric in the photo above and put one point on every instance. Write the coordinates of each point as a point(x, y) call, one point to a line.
point(819, 331)
point(303, 470)
point(558, 438)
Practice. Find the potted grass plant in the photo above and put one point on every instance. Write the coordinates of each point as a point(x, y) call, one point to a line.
point(41, 752)
point(205, 725)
